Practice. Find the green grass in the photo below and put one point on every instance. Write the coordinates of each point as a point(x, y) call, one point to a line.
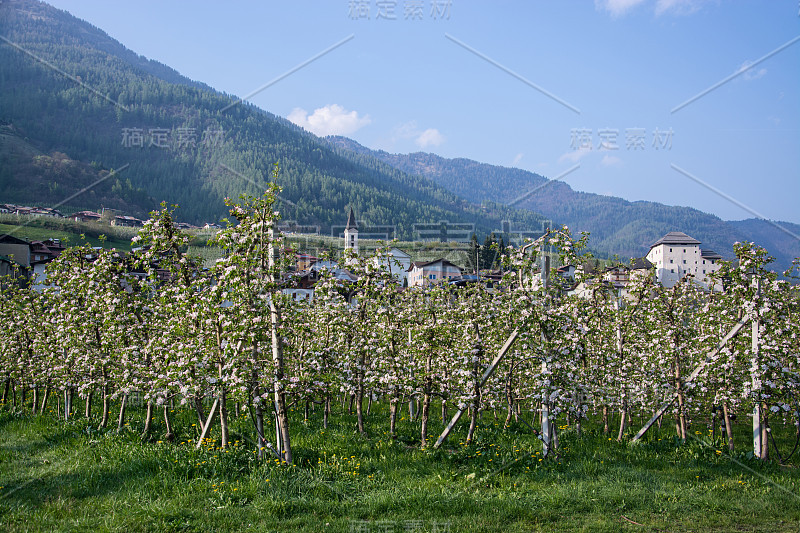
point(69, 231)
point(70, 476)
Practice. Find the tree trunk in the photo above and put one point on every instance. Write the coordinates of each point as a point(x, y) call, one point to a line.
point(148, 419)
point(427, 386)
point(277, 362)
point(198, 408)
point(121, 420)
point(392, 417)
point(764, 432)
point(87, 412)
point(326, 412)
point(260, 439)
point(259, 412)
point(35, 405)
point(360, 404)
point(622, 419)
point(6, 389)
point(106, 406)
point(473, 422)
point(473, 412)
point(45, 396)
point(605, 420)
point(223, 415)
point(169, 436)
point(681, 421)
point(426, 413)
point(67, 403)
point(509, 401)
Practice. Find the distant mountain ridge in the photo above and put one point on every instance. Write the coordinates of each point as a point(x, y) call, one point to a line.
point(617, 226)
point(63, 135)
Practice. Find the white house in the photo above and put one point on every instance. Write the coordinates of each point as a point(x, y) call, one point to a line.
point(422, 273)
point(676, 254)
point(397, 264)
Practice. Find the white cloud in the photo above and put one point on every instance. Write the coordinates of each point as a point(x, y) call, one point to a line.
point(517, 159)
point(677, 7)
point(617, 7)
point(407, 130)
point(423, 139)
point(575, 155)
point(329, 120)
point(429, 137)
point(751, 73)
point(610, 161)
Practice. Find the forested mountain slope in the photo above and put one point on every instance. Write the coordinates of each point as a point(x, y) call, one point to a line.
point(104, 107)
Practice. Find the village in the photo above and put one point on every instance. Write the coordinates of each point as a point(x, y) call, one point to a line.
point(670, 258)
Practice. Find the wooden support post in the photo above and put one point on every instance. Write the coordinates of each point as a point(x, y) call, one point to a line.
point(278, 435)
point(663, 409)
point(546, 428)
point(207, 425)
point(759, 441)
point(547, 425)
point(461, 408)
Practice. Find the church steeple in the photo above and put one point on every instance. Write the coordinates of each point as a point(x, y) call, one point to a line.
point(351, 221)
point(351, 233)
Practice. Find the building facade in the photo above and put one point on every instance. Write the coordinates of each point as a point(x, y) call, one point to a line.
point(676, 255)
point(421, 274)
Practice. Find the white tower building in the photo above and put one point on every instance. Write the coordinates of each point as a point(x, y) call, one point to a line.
point(351, 233)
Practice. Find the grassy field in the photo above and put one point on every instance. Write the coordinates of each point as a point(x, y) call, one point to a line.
point(70, 476)
point(68, 231)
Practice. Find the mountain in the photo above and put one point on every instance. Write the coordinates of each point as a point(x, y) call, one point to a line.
point(28, 175)
point(617, 226)
point(781, 239)
point(76, 105)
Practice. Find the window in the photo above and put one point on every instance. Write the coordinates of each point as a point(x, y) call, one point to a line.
point(670, 249)
point(704, 271)
point(672, 270)
point(684, 261)
point(671, 261)
point(704, 261)
point(684, 250)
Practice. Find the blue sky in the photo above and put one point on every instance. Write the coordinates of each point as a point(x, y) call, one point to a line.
point(543, 86)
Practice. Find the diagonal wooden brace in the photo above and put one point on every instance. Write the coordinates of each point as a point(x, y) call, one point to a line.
point(507, 346)
point(696, 372)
